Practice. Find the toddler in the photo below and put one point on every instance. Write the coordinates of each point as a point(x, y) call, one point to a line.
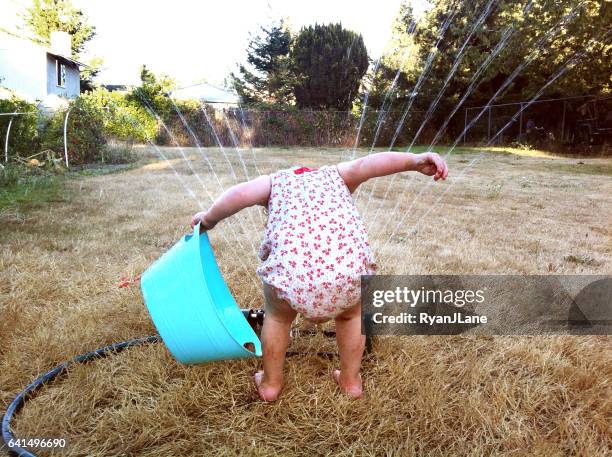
point(314, 251)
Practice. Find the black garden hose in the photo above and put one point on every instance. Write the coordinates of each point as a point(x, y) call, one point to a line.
point(253, 316)
point(28, 392)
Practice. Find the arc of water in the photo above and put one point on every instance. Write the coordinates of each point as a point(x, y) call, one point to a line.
point(417, 86)
point(458, 59)
point(424, 73)
point(208, 162)
point(236, 146)
point(189, 191)
point(223, 150)
point(188, 162)
point(231, 245)
point(562, 70)
point(218, 141)
point(199, 202)
point(250, 143)
point(408, 53)
point(197, 143)
point(244, 167)
point(504, 85)
point(363, 113)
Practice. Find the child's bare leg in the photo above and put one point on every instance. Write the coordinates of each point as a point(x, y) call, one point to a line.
point(351, 344)
point(274, 339)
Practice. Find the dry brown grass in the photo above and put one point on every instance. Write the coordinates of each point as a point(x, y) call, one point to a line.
point(425, 395)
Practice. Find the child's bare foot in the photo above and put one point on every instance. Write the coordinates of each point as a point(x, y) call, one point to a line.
point(265, 391)
point(353, 388)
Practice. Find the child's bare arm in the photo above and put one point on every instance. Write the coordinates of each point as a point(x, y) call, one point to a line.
point(360, 170)
point(240, 196)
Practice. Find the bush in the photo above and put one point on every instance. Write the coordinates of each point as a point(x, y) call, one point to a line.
point(23, 139)
point(86, 140)
point(122, 118)
point(118, 154)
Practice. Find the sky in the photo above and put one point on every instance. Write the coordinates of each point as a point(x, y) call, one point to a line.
point(195, 41)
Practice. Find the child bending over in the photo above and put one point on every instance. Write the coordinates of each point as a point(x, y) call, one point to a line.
point(314, 251)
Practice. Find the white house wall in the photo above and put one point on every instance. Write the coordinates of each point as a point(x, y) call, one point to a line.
point(22, 67)
point(72, 85)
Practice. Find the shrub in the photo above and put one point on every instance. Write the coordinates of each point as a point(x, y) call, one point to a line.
point(23, 138)
point(118, 154)
point(122, 118)
point(86, 140)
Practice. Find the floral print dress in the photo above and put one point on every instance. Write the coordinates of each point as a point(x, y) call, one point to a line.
point(315, 246)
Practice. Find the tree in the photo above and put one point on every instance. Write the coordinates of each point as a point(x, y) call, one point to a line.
point(542, 37)
point(89, 73)
point(153, 92)
point(267, 79)
point(328, 64)
point(46, 16)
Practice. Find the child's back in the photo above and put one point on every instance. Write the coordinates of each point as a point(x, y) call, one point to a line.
point(315, 246)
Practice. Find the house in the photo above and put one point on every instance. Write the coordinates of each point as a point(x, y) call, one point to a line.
point(41, 75)
point(207, 93)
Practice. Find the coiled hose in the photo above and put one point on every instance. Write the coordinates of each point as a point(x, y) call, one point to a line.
point(254, 317)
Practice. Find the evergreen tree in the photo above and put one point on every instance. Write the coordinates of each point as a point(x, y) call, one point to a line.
point(153, 92)
point(328, 65)
point(46, 16)
point(267, 77)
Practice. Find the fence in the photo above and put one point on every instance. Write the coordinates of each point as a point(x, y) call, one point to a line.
point(569, 120)
point(262, 128)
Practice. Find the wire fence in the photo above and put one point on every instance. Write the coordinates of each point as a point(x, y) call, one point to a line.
point(544, 123)
point(561, 121)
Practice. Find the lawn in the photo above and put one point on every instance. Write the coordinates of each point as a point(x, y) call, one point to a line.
point(499, 212)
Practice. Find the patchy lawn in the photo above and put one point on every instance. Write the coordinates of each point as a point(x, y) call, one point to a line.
point(61, 263)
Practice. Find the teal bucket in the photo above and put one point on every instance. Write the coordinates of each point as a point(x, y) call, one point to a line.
point(192, 307)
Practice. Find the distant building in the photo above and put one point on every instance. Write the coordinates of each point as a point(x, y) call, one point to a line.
point(117, 87)
point(207, 93)
point(45, 76)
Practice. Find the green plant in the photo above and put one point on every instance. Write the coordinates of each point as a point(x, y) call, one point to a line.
point(23, 138)
point(118, 154)
point(327, 76)
point(23, 187)
point(122, 117)
point(85, 132)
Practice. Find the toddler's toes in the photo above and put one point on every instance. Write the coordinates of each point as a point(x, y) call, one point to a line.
point(266, 393)
point(353, 389)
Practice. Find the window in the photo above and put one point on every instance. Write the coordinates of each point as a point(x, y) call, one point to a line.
point(60, 70)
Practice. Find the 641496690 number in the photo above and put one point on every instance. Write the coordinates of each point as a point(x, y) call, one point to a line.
point(38, 443)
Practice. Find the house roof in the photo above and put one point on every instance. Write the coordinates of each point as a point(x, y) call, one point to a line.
point(207, 93)
point(67, 59)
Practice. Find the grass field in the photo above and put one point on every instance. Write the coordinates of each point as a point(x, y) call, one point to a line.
point(61, 263)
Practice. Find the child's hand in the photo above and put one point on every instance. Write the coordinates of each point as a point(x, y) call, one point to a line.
point(431, 164)
point(200, 217)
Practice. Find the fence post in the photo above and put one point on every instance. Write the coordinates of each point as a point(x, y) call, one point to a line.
point(66, 136)
point(520, 138)
point(563, 123)
point(465, 126)
point(489, 125)
point(8, 131)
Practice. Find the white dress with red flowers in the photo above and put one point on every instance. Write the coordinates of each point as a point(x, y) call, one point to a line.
point(315, 246)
